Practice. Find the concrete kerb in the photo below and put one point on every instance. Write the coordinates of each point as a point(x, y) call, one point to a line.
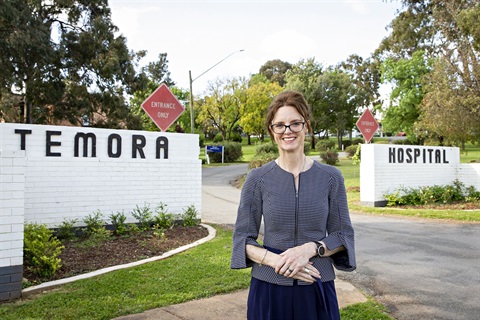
point(52, 284)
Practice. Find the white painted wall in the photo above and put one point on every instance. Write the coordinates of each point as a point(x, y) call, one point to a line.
point(68, 187)
point(42, 180)
point(12, 182)
point(385, 168)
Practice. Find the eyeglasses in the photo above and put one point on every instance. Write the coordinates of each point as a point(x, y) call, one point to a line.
point(282, 128)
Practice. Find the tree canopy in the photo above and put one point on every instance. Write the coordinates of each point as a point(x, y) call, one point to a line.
point(447, 31)
point(62, 62)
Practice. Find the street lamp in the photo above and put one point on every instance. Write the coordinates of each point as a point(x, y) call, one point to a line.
point(191, 81)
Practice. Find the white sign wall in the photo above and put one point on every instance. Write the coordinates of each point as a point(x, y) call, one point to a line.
point(50, 174)
point(386, 168)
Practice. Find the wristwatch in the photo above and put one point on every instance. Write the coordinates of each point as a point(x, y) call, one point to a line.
point(320, 249)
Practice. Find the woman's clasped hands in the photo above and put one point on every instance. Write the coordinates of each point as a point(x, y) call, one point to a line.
point(295, 263)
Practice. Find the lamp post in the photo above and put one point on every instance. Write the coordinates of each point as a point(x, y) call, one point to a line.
point(191, 81)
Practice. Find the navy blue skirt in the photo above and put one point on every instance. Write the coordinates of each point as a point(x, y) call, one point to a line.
point(268, 301)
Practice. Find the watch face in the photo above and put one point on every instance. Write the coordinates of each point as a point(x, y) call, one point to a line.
point(321, 250)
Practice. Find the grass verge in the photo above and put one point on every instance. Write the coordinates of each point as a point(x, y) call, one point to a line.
point(198, 273)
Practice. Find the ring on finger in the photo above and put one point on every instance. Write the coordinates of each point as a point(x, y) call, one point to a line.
point(306, 270)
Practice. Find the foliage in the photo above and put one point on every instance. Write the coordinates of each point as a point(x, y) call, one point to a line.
point(221, 109)
point(307, 148)
point(143, 216)
point(94, 224)
point(447, 31)
point(433, 194)
point(324, 145)
point(66, 230)
point(260, 159)
point(408, 93)
point(366, 77)
point(266, 148)
point(162, 218)
point(235, 137)
point(232, 152)
point(260, 93)
point(356, 157)
point(218, 138)
point(449, 112)
point(41, 250)
point(68, 62)
point(119, 223)
point(351, 150)
point(329, 156)
point(189, 216)
point(275, 71)
point(95, 230)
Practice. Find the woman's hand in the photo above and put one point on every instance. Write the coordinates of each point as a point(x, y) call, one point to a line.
point(295, 263)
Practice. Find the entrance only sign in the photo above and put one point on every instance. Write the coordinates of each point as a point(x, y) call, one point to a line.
point(163, 107)
point(367, 125)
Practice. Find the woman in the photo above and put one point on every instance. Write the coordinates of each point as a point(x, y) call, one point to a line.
point(307, 228)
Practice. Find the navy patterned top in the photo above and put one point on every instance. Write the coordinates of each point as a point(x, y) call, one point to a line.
point(319, 211)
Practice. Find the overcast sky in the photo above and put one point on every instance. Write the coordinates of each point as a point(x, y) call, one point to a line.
point(198, 34)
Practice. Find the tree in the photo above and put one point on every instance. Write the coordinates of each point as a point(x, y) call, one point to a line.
point(336, 102)
point(275, 71)
point(408, 93)
point(303, 77)
point(366, 77)
point(64, 61)
point(260, 94)
point(449, 112)
point(221, 110)
point(447, 31)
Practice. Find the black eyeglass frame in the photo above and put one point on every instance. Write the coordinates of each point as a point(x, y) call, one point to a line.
point(272, 126)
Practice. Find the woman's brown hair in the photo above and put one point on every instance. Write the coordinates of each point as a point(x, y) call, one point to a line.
point(292, 99)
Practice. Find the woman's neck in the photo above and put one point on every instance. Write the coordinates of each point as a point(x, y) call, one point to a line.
point(293, 163)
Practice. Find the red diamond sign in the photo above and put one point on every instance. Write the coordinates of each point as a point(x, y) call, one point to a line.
point(367, 125)
point(163, 107)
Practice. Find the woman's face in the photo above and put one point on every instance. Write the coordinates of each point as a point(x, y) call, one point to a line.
point(289, 141)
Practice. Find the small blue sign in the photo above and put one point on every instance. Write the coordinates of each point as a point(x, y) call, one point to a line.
point(214, 148)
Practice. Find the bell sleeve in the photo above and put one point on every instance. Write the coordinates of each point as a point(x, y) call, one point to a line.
point(249, 218)
point(339, 227)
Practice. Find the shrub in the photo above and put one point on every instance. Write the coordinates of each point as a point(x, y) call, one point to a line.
point(163, 219)
point(232, 152)
point(143, 216)
point(324, 145)
point(235, 137)
point(260, 159)
point(329, 157)
point(307, 147)
point(201, 140)
point(94, 224)
point(66, 231)
point(432, 194)
point(351, 150)
point(357, 141)
point(218, 138)
point(41, 250)
point(118, 221)
point(189, 216)
point(346, 143)
point(266, 148)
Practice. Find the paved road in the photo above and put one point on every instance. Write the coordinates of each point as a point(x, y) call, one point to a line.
point(418, 269)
